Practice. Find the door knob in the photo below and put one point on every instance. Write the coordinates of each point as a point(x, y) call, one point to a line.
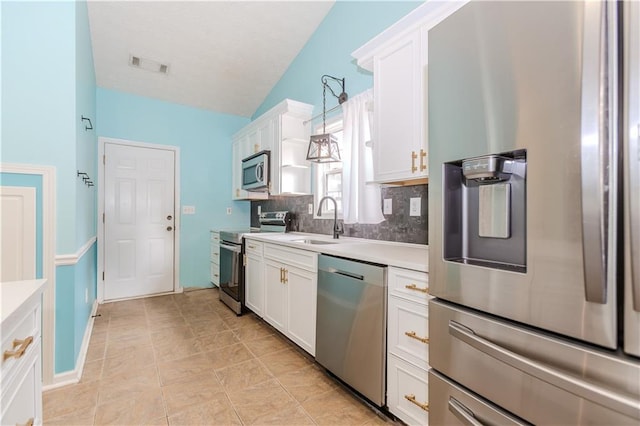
point(169, 217)
point(169, 228)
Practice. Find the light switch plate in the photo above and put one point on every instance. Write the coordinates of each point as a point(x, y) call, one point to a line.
point(310, 208)
point(228, 210)
point(188, 209)
point(259, 209)
point(387, 209)
point(414, 206)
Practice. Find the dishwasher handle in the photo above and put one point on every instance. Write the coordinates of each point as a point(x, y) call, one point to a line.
point(346, 273)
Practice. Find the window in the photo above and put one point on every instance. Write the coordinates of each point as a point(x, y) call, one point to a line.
point(328, 176)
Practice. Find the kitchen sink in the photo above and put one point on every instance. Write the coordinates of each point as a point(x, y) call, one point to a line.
point(311, 241)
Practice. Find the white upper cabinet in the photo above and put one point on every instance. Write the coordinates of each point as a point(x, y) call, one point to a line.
point(398, 58)
point(284, 131)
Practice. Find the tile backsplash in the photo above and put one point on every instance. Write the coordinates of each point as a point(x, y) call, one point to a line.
point(398, 226)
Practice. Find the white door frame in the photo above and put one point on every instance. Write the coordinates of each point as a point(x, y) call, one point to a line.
point(48, 174)
point(102, 141)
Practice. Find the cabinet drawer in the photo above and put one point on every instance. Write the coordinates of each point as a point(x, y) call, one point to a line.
point(254, 247)
point(215, 237)
point(22, 394)
point(215, 273)
point(215, 253)
point(408, 391)
point(25, 329)
point(413, 285)
point(408, 331)
point(301, 258)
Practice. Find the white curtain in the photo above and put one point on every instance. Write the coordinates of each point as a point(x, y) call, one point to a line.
point(360, 201)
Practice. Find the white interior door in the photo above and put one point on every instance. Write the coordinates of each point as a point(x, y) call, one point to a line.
point(139, 221)
point(18, 233)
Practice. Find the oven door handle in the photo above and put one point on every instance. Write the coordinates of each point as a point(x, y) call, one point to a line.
point(235, 249)
point(575, 385)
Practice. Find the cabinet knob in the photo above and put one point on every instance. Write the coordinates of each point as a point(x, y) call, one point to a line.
point(169, 217)
point(169, 228)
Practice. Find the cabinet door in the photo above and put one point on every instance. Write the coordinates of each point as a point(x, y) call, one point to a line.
point(275, 296)
point(236, 171)
point(301, 307)
point(254, 284)
point(399, 112)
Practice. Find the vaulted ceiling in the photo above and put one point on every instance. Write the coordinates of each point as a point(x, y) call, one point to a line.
point(223, 56)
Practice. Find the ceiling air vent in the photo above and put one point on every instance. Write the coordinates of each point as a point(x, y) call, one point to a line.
point(148, 64)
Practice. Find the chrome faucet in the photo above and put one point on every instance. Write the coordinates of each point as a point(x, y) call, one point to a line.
point(337, 228)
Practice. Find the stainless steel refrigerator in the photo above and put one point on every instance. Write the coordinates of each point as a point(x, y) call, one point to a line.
point(534, 213)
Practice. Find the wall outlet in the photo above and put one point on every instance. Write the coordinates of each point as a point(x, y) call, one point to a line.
point(387, 206)
point(228, 210)
point(310, 208)
point(188, 209)
point(86, 295)
point(414, 206)
point(259, 209)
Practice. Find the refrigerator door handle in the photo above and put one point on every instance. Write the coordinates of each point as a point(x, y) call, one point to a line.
point(634, 216)
point(596, 117)
point(577, 386)
point(462, 413)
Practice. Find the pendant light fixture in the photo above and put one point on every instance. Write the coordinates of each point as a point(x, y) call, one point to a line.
point(323, 148)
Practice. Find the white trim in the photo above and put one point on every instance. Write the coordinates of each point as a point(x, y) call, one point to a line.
point(74, 376)
point(48, 174)
point(72, 259)
point(102, 141)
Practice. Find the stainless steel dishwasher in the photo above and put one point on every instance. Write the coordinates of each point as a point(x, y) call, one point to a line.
point(351, 325)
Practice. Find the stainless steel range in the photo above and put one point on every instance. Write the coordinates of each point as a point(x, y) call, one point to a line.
point(231, 255)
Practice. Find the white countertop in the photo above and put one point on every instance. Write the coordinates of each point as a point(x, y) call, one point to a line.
point(402, 255)
point(14, 293)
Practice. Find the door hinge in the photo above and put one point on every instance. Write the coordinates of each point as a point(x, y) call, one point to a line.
point(104, 159)
point(102, 217)
point(102, 275)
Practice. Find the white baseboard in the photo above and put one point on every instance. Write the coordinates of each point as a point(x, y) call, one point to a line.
point(73, 376)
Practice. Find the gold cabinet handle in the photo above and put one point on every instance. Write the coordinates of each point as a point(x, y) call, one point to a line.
point(28, 423)
point(282, 275)
point(251, 247)
point(423, 155)
point(414, 156)
point(286, 276)
point(22, 346)
point(244, 260)
point(237, 192)
point(412, 399)
point(412, 334)
point(256, 147)
point(416, 288)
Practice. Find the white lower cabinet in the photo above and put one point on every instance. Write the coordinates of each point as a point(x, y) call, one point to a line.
point(290, 297)
point(254, 277)
point(20, 366)
point(407, 391)
point(408, 345)
point(215, 258)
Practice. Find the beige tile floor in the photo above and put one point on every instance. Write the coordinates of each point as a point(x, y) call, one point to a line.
point(186, 359)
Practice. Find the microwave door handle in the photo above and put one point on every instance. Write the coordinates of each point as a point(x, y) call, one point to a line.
point(596, 116)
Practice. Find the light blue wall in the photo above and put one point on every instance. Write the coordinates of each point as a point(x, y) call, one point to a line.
point(86, 140)
point(204, 138)
point(48, 82)
point(38, 98)
point(347, 26)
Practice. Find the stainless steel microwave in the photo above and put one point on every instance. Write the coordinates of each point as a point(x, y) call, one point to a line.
point(255, 172)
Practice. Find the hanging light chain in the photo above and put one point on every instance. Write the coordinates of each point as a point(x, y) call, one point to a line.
point(324, 106)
